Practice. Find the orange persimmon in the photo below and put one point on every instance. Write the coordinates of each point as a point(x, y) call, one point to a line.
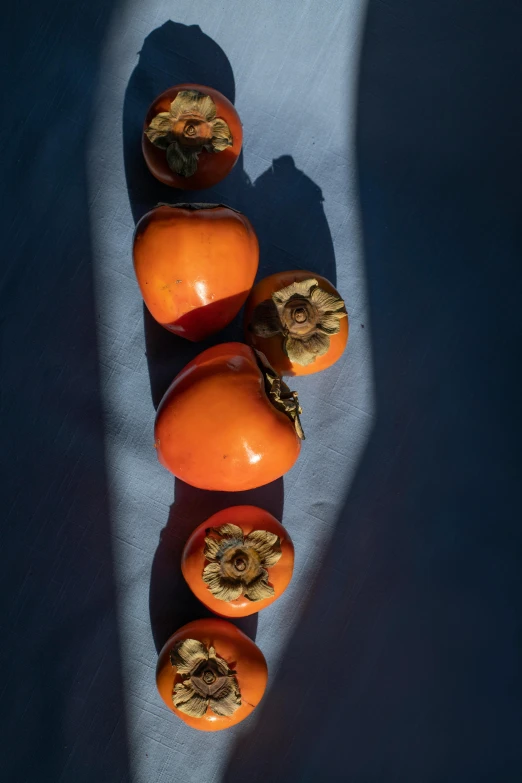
point(238, 561)
point(192, 137)
point(298, 320)
point(228, 422)
point(211, 675)
point(195, 265)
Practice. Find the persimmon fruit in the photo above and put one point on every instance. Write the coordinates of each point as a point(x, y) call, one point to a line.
point(192, 137)
point(211, 675)
point(239, 561)
point(228, 422)
point(298, 320)
point(195, 265)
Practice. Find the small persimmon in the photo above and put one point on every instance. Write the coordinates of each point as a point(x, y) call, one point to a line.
point(298, 320)
point(211, 675)
point(239, 561)
point(195, 265)
point(192, 137)
point(228, 422)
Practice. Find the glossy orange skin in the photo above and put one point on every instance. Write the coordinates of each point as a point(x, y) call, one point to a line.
point(195, 268)
point(272, 347)
point(216, 428)
point(248, 518)
point(241, 654)
point(212, 167)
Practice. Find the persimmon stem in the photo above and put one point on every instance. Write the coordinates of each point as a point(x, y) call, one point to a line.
point(280, 394)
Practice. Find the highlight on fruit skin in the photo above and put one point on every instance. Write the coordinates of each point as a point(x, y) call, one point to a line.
point(192, 137)
point(228, 422)
point(298, 320)
point(195, 265)
point(211, 675)
point(239, 561)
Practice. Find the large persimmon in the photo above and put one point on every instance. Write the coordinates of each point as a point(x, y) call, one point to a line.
point(228, 422)
point(195, 265)
point(211, 675)
point(239, 561)
point(192, 137)
point(298, 320)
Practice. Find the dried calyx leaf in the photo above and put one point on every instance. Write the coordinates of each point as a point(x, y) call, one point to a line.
point(237, 563)
point(188, 128)
point(207, 681)
point(305, 315)
point(280, 394)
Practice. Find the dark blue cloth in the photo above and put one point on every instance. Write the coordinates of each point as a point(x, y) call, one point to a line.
point(383, 150)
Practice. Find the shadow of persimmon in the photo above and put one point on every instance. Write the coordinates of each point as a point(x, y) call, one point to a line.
point(171, 602)
point(168, 353)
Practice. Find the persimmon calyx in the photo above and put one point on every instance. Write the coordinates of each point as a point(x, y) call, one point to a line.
point(280, 395)
point(237, 563)
point(305, 315)
point(189, 127)
point(207, 681)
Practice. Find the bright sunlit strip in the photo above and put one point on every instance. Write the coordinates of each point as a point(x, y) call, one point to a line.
point(272, 74)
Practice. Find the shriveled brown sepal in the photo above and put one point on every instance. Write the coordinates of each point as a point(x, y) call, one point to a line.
point(280, 395)
point(305, 315)
point(208, 682)
point(188, 128)
point(237, 563)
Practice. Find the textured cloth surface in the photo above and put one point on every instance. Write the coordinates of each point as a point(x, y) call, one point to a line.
point(382, 149)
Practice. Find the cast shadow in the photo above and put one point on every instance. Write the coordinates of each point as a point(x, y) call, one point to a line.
point(172, 54)
point(404, 664)
point(171, 602)
point(286, 210)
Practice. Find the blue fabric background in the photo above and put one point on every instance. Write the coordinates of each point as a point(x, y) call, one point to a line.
point(382, 149)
